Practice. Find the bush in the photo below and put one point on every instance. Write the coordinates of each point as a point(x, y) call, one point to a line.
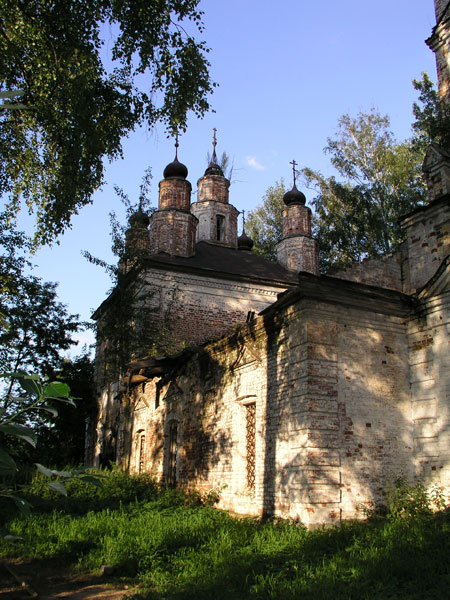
point(406, 500)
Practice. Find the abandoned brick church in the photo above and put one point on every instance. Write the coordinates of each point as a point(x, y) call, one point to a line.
point(324, 388)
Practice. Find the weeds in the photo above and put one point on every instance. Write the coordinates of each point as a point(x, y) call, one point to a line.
point(178, 548)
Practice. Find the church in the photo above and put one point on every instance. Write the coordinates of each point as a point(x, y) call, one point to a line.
point(291, 393)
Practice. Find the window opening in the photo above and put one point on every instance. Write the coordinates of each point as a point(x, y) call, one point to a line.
point(220, 228)
point(250, 423)
point(173, 448)
point(157, 394)
point(141, 453)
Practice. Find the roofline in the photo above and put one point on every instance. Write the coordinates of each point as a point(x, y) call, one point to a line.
point(424, 207)
point(216, 273)
point(163, 266)
point(332, 290)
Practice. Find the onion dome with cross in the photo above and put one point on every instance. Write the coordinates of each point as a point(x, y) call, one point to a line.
point(175, 168)
point(294, 196)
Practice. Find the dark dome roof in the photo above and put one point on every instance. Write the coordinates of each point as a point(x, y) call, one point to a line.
point(244, 242)
point(175, 169)
point(213, 169)
point(139, 219)
point(294, 196)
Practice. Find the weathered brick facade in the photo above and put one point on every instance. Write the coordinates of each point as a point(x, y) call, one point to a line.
point(298, 250)
point(439, 42)
point(339, 385)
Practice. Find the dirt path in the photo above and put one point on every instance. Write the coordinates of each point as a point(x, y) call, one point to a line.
point(47, 581)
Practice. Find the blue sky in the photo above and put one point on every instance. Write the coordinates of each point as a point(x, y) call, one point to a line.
point(286, 71)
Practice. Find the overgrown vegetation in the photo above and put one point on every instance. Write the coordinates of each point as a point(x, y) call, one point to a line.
point(178, 547)
point(356, 212)
point(88, 73)
point(135, 321)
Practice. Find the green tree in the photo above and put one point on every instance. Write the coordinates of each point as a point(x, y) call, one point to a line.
point(432, 115)
point(264, 223)
point(130, 323)
point(61, 440)
point(84, 98)
point(37, 397)
point(36, 327)
point(357, 217)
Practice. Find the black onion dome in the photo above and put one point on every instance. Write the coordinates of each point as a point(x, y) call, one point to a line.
point(244, 242)
point(294, 196)
point(139, 219)
point(213, 169)
point(175, 169)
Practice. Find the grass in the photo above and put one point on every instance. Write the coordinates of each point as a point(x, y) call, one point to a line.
point(178, 548)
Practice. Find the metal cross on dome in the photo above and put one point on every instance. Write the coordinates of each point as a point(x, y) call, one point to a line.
point(294, 164)
point(214, 157)
point(176, 144)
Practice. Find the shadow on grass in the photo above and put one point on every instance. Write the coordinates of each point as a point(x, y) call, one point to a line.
point(376, 561)
point(183, 552)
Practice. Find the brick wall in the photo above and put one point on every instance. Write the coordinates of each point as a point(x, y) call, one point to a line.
point(213, 187)
point(205, 307)
point(333, 423)
point(296, 220)
point(428, 231)
point(384, 272)
point(206, 213)
point(429, 343)
point(174, 232)
point(174, 193)
point(298, 253)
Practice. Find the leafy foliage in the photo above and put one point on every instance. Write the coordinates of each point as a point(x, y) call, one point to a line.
point(129, 323)
point(357, 217)
point(432, 115)
point(405, 500)
point(36, 397)
point(83, 100)
point(13, 247)
point(264, 224)
point(62, 440)
point(35, 326)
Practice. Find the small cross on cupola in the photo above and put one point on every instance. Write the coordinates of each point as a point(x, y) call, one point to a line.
point(294, 196)
point(214, 167)
point(176, 168)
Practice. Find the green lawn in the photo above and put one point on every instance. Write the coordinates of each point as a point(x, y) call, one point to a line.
point(177, 548)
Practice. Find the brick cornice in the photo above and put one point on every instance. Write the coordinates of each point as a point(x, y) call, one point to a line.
point(352, 294)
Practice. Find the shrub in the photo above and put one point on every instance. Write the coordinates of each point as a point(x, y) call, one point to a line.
point(406, 500)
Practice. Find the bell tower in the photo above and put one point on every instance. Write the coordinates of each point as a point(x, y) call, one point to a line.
point(297, 251)
point(217, 218)
point(172, 227)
